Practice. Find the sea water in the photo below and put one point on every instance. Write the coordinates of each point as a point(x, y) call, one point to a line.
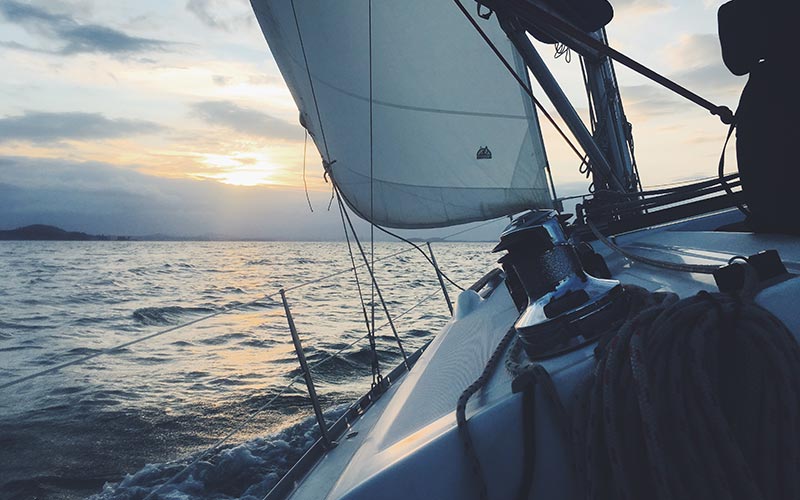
point(121, 424)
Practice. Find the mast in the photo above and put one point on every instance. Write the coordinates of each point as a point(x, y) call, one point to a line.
point(612, 131)
point(606, 145)
point(611, 167)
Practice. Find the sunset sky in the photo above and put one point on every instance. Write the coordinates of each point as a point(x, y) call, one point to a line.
point(170, 116)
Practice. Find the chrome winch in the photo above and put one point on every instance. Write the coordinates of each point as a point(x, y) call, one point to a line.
point(561, 305)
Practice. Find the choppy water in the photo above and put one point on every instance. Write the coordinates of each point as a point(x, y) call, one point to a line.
point(92, 429)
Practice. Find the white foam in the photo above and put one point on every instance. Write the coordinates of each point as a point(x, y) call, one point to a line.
point(246, 471)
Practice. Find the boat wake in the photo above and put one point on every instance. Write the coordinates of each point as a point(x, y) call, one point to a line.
point(245, 471)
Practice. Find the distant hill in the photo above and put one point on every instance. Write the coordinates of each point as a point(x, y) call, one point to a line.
point(41, 232)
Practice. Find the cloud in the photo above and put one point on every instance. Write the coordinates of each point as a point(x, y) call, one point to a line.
point(42, 127)
point(643, 101)
point(247, 121)
point(218, 14)
point(100, 198)
point(697, 60)
point(640, 7)
point(74, 37)
point(221, 80)
point(696, 50)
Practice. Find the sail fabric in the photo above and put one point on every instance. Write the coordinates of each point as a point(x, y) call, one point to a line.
point(452, 137)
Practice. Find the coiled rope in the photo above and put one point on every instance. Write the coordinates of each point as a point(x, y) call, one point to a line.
point(697, 398)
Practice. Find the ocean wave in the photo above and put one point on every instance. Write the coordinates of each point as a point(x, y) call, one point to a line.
point(246, 471)
point(20, 326)
point(222, 339)
point(168, 315)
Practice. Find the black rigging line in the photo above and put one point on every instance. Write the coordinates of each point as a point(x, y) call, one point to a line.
point(376, 369)
point(305, 184)
point(340, 198)
point(424, 254)
point(721, 172)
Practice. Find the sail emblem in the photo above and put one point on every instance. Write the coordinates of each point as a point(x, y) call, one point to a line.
point(484, 153)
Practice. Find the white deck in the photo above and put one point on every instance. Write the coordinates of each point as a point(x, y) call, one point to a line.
point(407, 444)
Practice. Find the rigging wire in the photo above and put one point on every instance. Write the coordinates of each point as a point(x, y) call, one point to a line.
point(372, 207)
point(424, 254)
point(629, 130)
point(406, 240)
point(376, 370)
point(370, 269)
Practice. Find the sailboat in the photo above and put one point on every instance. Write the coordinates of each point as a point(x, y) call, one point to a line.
point(590, 363)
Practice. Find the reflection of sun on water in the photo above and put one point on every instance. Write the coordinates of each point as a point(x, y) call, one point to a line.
point(251, 169)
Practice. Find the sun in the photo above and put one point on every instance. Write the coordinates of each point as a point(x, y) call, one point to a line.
point(241, 169)
point(245, 177)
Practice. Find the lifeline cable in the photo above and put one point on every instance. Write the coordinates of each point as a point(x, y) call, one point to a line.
point(671, 266)
point(263, 407)
point(721, 171)
point(225, 310)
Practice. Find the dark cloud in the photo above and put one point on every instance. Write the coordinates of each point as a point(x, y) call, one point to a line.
point(218, 14)
point(245, 120)
point(43, 127)
point(221, 80)
point(72, 36)
point(101, 198)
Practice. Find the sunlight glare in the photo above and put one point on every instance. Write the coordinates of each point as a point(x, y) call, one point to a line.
point(251, 169)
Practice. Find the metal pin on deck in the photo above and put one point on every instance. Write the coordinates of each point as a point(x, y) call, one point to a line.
point(441, 281)
point(301, 357)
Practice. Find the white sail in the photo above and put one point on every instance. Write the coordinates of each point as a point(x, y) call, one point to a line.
point(454, 138)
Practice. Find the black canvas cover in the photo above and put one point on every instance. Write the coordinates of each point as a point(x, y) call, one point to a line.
point(587, 15)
